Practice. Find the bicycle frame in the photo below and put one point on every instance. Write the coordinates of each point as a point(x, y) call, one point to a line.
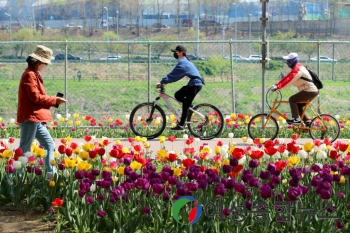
point(167, 99)
point(307, 105)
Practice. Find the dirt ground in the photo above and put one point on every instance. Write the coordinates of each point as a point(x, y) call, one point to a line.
point(14, 220)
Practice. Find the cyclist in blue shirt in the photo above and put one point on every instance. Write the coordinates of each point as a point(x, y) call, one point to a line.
point(187, 93)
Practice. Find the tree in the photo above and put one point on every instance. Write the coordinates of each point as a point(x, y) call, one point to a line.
point(25, 34)
point(159, 48)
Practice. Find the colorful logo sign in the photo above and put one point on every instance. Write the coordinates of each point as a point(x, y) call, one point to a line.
point(194, 214)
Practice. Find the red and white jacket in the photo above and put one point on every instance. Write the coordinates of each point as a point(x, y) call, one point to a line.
point(294, 78)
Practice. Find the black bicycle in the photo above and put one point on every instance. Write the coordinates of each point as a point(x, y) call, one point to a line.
point(204, 121)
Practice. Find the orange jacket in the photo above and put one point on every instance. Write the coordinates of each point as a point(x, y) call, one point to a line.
point(33, 103)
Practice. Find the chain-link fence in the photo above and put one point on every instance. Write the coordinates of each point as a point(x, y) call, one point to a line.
point(100, 78)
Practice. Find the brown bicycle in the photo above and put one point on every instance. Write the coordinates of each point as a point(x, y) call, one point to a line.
point(266, 125)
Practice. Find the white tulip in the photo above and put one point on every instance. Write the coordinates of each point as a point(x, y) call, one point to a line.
point(197, 140)
point(277, 155)
point(12, 120)
point(242, 160)
point(336, 117)
point(93, 188)
point(17, 165)
point(323, 147)
point(23, 160)
point(66, 173)
point(182, 157)
point(223, 153)
point(250, 141)
point(111, 159)
point(281, 140)
point(185, 136)
point(266, 156)
point(230, 135)
point(321, 155)
point(127, 116)
point(58, 116)
point(68, 115)
point(28, 154)
point(302, 154)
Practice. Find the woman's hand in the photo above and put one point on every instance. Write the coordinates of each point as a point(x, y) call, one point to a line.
point(159, 85)
point(60, 100)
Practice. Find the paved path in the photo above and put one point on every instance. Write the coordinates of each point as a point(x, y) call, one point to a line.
point(179, 143)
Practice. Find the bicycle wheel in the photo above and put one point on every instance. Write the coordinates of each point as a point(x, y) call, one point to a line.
point(255, 127)
point(143, 124)
point(332, 127)
point(271, 96)
point(207, 127)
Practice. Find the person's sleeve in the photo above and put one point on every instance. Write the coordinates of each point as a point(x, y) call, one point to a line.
point(31, 87)
point(176, 74)
point(287, 80)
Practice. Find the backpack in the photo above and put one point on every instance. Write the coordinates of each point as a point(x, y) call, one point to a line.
point(315, 79)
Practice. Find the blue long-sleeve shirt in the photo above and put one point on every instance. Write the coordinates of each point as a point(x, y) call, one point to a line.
point(184, 68)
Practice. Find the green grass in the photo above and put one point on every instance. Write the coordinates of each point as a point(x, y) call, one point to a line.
point(105, 89)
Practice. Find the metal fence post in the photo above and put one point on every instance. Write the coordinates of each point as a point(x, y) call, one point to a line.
point(66, 77)
point(232, 81)
point(129, 62)
point(333, 63)
point(149, 73)
point(318, 73)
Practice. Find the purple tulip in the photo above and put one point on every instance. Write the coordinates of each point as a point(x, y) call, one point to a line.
point(304, 189)
point(345, 171)
point(227, 169)
point(233, 162)
point(306, 170)
point(100, 196)
point(172, 180)
point(240, 188)
point(202, 176)
point(315, 181)
point(246, 175)
point(195, 169)
point(253, 163)
point(276, 180)
point(79, 175)
point(294, 193)
point(30, 169)
point(334, 167)
point(168, 169)
point(180, 184)
point(248, 205)
point(106, 184)
point(95, 172)
point(181, 191)
point(149, 167)
point(254, 182)
point(118, 192)
point(315, 168)
point(265, 191)
point(276, 172)
point(280, 197)
point(264, 175)
point(325, 194)
point(127, 186)
point(157, 189)
point(336, 178)
point(202, 184)
point(349, 206)
point(166, 196)
point(89, 199)
point(82, 192)
point(164, 176)
point(155, 181)
point(142, 184)
point(340, 163)
point(192, 175)
point(341, 195)
point(127, 170)
point(192, 186)
point(271, 167)
point(292, 183)
point(339, 225)
point(146, 210)
point(327, 177)
point(246, 194)
point(37, 171)
point(219, 189)
point(101, 213)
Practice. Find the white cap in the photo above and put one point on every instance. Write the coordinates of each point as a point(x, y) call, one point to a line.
point(290, 56)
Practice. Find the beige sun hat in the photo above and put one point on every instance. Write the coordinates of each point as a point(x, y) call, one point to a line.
point(43, 54)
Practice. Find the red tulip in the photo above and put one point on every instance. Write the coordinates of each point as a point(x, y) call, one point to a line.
point(11, 140)
point(333, 154)
point(269, 143)
point(172, 157)
point(101, 151)
point(187, 162)
point(74, 145)
point(114, 153)
point(57, 202)
point(270, 151)
point(280, 165)
point(92, 154)
point(172, 138)
point(18, 152)
point(69, 151)
point(238, 153)
point(137, 147)
point(61, 149)
point(281, 148)
point(87, 138)
point(220, 143)
point(295, 136)
point(256, 154)
point(237, 168)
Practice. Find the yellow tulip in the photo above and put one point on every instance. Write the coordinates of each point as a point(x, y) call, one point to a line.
point(143, 139)
point(205, 149)
point(84, 155)
point(217, 150)
point(348, 123)
point(84, 166)
point(147, 145)
point(118, 143)
point(162, 154)
point(39, 152)
point(52, 183)
point(232, 115)
point(173, 124)
point(342, 180)
point(333, 173)
point(69, 163)
point(70, 122)
point(55, 154)
point(125, 150)
point(61, 184)
point(53, 162)
point(110, 120)
point(0, 119)
point(120, 170)
point(115, 179)
point(172, 117)
point(262, 140)
point(88, 147)
point(61, 119)
point(226, 162)
point(177, 171)
point(308, 146)
point(135, 165)
point(76, 115)
point(166, 183)
point(162, 139)
point(293, 160)
point(107, 169)
point(7, 154)
point(137, 138)
point(78, 122)
point(244, 139)
point(76, 151)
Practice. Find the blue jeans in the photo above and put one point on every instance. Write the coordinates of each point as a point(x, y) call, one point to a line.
point(31, 130)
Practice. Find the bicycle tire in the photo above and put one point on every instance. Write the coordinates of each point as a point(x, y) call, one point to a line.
point(255, 127)
point(333, 128)
point(209, 127)
point(138, 121)
point(270, 98)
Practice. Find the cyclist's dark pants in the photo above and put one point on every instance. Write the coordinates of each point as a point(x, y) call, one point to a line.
point(296, 108)
point(186, 95)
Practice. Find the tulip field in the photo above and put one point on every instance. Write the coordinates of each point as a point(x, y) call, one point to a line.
point(104, 185)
